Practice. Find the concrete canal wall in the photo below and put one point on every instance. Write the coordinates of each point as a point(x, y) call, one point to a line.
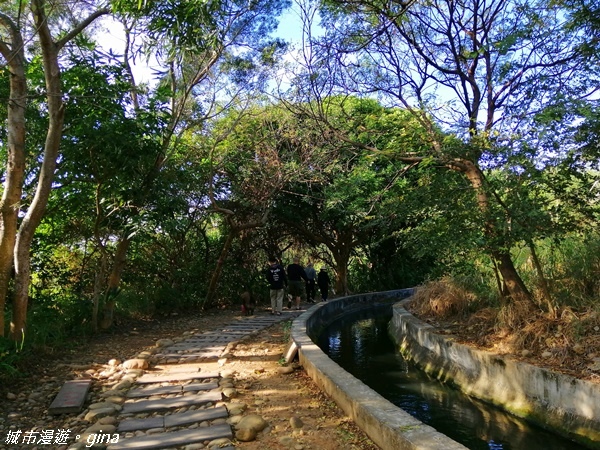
point(388, 426)
point(558, 402)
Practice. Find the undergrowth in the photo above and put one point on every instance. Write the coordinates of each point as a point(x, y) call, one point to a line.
point(510, 325)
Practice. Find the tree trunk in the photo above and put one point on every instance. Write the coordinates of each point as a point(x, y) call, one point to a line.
point(212, 286)
point(501, 286)
point(99, 281)
point(51, 146)
point(114, 279)
point(21, 294)
point(512, 280)
point(342, 258)
point(55, 108)
point(547, 297)
point(100, 277)
point(15, 166)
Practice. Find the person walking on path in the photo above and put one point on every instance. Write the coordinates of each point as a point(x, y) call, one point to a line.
point(277, 282)
point(311, 274)
point(323, 282)
point(296, 275)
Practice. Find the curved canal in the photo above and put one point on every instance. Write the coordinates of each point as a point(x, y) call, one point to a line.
point(359, 342)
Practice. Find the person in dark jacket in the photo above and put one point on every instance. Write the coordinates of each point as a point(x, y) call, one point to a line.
point(297, 278)
point(277, 283)
point(323, 283)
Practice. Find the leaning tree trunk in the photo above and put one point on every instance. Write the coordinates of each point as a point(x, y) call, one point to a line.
point(547, 297)
point(511, 278)
point(235, 230)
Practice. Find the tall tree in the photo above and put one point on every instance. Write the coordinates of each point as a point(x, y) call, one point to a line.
point(207, 52)
point(254, 154)
point(478, 69)
point(107, 152)
point(15, 243)
point(341, 197)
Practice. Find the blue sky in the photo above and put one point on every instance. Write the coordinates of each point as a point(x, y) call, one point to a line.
point(289, 29)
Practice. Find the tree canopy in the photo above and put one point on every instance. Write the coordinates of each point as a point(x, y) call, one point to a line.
point(414, 140)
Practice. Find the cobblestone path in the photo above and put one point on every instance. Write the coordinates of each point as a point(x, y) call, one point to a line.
point(183, 399)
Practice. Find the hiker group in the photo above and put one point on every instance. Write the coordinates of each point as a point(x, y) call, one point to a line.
point(298, 281)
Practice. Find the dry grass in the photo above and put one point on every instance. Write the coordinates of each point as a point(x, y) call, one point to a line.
point(567, 341)
point(516, 314)
point(570, 332)
point(442, 298)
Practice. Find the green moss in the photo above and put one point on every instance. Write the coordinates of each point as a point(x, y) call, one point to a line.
point(407, 428)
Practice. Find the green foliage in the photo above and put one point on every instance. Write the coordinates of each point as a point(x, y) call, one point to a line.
point(287, 330)
point(354, 201)
point(572, 264)
point(10, 354)
point(189, 31)
point(53, 324)
point(389, 264)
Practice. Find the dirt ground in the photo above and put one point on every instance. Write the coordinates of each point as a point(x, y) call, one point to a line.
point(279, 398)
point(275, 396)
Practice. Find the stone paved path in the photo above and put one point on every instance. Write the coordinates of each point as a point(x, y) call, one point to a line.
point(181, 400)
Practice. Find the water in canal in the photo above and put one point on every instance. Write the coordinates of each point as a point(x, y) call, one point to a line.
point(360, 344)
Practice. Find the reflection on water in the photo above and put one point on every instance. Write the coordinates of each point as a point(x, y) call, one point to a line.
point(360, 344)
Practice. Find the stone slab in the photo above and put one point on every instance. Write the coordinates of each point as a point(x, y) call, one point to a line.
point(211, 338)
point(71, 397)
point(141, 424)
point(231, 331)
point(200, 415)
point(197, 347)
point(196, 351)
point(175, 350)
point(172, 420)
point(207, 355)
point(174, 439)
point(188, 352)
point(170, 403)
point(201, 356)
point(175, 377)
point(181, 368)
point(245, 329)
point(163, 390)
point(204, 341)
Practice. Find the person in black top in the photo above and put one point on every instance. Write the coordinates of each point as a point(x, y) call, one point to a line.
point(277, 282)
point(296, 275)
point(323, 283)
